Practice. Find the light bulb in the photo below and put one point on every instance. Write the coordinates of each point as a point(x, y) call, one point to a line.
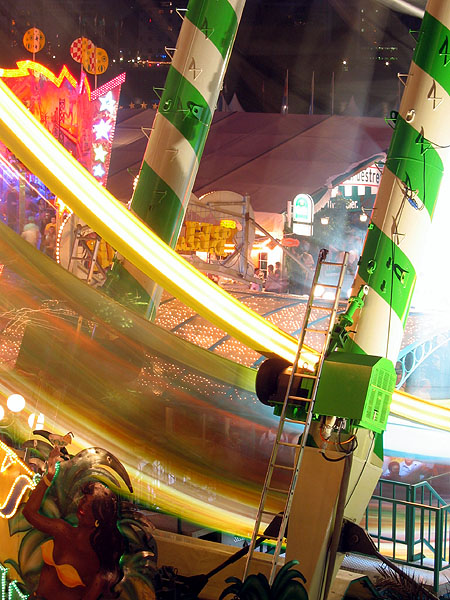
point(15, 403)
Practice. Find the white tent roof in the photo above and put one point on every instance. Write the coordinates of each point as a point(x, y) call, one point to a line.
point(271, 157)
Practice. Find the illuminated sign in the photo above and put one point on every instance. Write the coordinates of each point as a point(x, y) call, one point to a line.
point(83, 121)
point(27, 67)
point(368, 177)
point(302, 214)
point(359, 189)
point(204, 237)
point(228, 224)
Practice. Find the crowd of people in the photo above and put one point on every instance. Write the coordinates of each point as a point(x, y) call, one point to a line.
point(406, 470)
point(297, 273)
point(39, 217)
point(274, 281)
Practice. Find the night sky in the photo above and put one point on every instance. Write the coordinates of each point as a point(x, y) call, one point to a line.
point(302, 36)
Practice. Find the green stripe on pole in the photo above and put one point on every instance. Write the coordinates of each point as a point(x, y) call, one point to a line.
point(216, 20)
point(414, 161)
point(187, 110)
point(125, 289)
point(432, 52)
point(388, 271)
point(161, 208)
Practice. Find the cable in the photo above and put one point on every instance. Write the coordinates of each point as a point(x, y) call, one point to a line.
point(345, 452)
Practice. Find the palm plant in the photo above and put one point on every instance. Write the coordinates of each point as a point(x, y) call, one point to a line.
point(256, 587)
point(395, 585)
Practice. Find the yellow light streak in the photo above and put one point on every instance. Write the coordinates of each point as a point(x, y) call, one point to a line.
point(67, 179)
point(421, 411)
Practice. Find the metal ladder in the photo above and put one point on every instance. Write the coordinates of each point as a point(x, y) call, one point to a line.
point(87, 255)
point(289, 399)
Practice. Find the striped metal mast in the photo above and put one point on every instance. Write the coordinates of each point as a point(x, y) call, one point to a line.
point(408, 192)
point(178, 134)
point(394, 244)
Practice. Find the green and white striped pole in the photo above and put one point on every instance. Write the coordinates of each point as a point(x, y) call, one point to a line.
point(394, 244)
point(179, 133)
point(408, 192)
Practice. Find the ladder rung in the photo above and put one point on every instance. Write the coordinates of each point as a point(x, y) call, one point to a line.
point(307, 375)
point(299, 399)
point(272, 489)
point(276, 466)
point(270, 512)
point(271, 537)
point(295, 421)
point(293, 401)
point(334, 264)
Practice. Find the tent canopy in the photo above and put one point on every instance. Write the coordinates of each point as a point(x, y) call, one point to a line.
point(270, 157)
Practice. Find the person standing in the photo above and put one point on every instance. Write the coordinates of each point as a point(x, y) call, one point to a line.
point(269, 279)
point(272, 280)
point(12, 209)
point(306, 264)
point(49, 242)
point(31, 232)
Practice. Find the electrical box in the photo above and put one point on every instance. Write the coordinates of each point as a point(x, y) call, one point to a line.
point(357, 387)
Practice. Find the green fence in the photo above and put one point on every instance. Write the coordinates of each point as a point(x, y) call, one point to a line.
point(410, 524)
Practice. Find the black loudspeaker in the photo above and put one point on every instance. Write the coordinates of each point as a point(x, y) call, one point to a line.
point(272, 381)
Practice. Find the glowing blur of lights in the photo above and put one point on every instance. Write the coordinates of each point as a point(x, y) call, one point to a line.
point(318, 291)
point(61, 206)
point(421, 411)
point(44, 156)
point(102, 129)
point(59, 236)
point(36, 422)
point(36, 148)
point(15, 403)
point(2, 413)
point(18, 486)
point(16, 173)
point(329, 296)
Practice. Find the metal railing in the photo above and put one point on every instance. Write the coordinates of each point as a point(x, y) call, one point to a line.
point(409, 523)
